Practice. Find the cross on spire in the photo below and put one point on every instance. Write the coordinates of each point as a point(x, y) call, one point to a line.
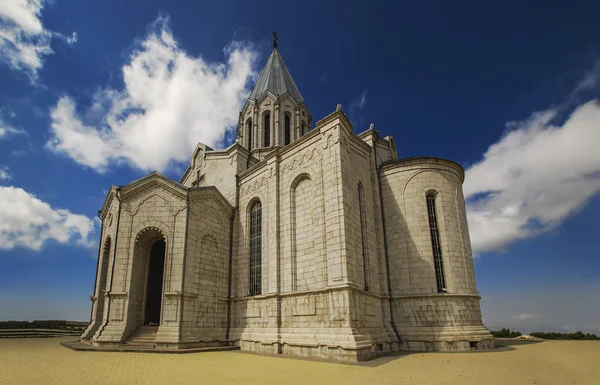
point(275, 39)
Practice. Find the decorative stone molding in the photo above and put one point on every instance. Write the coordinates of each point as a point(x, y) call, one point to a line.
point(255, 185)
point(233, 158)
point(299, 161)
point(173, 210)
point(149, 228)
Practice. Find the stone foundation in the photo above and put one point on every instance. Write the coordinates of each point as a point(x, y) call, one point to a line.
point(450, 344)
point(321, 351)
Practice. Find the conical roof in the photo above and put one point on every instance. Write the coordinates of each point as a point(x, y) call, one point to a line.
point(276, 79)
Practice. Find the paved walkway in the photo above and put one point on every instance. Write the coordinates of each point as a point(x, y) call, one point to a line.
point(44, 361)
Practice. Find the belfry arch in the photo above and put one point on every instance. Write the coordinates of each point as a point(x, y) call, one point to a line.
point(147, 279)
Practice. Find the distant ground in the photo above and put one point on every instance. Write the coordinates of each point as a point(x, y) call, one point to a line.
point(44, 361)
point(40, 329)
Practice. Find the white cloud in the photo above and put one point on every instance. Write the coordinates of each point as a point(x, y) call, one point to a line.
point(590, 80)
point(526, 316)
point(534, 177)
point(23, 39)
point(4, 175)
point(169, 102)
point(6, 129)
point(359, 102)
point(355, 112)
point(26, 221)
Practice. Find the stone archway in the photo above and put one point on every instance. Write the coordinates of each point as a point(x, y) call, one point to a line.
point(147, 278)
point(154, 283)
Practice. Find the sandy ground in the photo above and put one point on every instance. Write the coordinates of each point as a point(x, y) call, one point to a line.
point(44, 361)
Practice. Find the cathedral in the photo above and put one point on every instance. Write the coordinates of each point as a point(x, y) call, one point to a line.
point(300, 239)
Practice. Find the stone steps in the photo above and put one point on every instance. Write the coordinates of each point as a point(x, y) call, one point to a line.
point(144, 336)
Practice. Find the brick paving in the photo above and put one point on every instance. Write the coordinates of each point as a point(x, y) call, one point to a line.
point(44, 361)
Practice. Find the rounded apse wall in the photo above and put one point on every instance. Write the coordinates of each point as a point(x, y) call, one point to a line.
point(431, 269)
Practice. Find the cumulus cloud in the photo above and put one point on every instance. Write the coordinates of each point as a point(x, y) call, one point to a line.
point(26, 221)
point(169, 101)
point(23, 39)
point(534, 177)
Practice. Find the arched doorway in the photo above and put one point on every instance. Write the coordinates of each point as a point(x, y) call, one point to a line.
point(154, 285)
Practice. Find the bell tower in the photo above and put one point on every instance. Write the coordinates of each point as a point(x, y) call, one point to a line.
point(275, 113)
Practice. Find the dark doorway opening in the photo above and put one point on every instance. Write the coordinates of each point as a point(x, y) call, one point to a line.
point(155, 283)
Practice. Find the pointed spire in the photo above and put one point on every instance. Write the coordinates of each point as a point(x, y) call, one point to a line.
point(275, 77)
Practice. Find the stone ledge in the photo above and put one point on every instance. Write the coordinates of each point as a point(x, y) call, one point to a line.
point(80, 346)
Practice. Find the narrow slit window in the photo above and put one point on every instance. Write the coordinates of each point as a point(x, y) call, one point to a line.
point(255, 249)
point(249, 129)
point(435, 243)
point(267, 139)
point(287, 131)
point(303, 127)
point(363, 234)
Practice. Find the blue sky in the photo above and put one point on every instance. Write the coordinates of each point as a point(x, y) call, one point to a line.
point(509, 91)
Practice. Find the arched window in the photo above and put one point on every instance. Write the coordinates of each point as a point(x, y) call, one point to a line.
point(303, 127)
point(305, 269)
point(363, 234)
point(435, 242)
point(286, 131)
point(267, 130)
point(255, 249)
point(249, 130)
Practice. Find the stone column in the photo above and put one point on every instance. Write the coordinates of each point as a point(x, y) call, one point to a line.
point(240, 130)
point(255, 142)
point(277, 126)
point(296, 125)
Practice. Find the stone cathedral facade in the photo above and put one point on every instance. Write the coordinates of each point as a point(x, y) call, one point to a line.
point(301, 239)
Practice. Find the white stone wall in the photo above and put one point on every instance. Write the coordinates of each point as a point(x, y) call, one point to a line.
point(204, 320)
point(357, 168)
point(315, 243)
point(216, 168)
point(156, 205)
point(369, 306)
point(110, 217)
point(384, 148)
point(405, 186)
point(417, 302)
point(312, 260)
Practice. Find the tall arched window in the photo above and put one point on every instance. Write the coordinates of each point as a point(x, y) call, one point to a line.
point(249, 130)
point(287, 130)
point(267, 130)
point(435, 243)
point(363, 234)
point(255, 249)
point(303, 127)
